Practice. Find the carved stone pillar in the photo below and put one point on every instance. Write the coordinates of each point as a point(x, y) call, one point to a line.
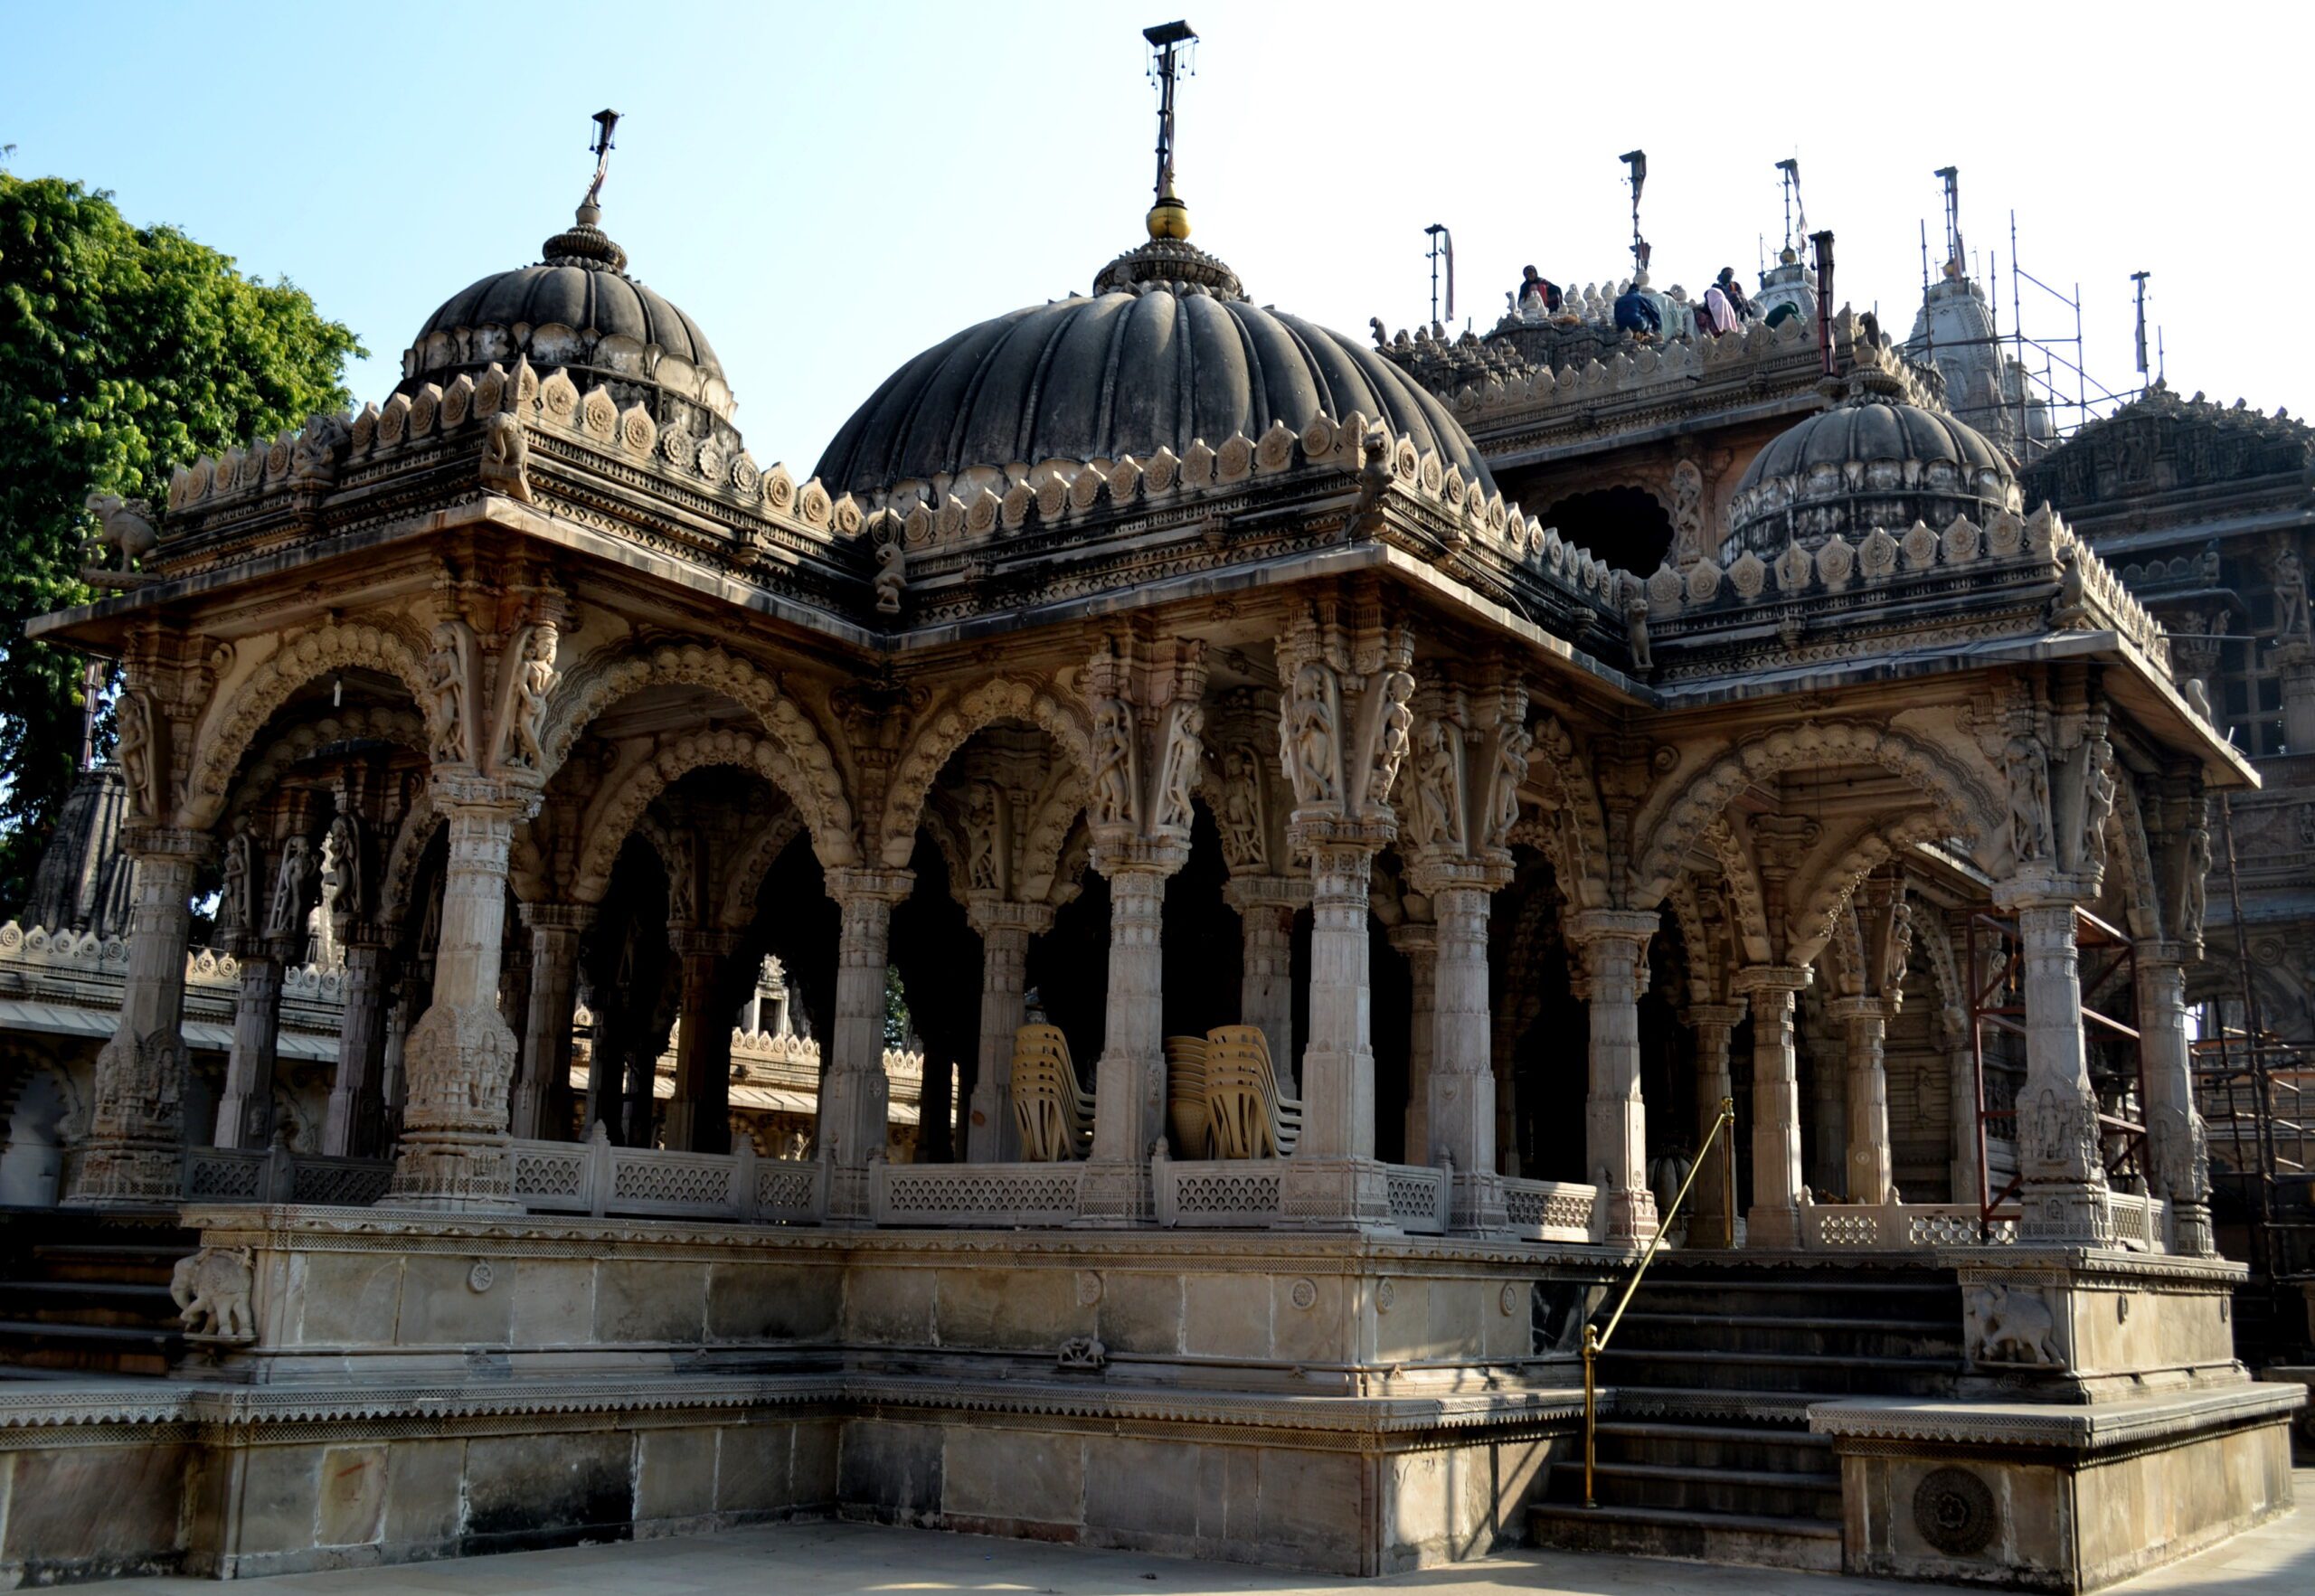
point(1266, 906)
point(1335, 1161)
point(1006, 930)
point(1774, 1218)
point(555, 928)
point(135, 1146)
point(2297, 659)
point(245, 1107)
point(460, 1058)
point(1462, 1117)
point(1865, 1021)
point(1504, 1058)
point(1130, 1080)
point(855, 1098)
point(699, 1115)
point(2180, 1158)
point(1613, 942)
point(1716, 1025)
point(2062, 1199)
point(1417, 941)
point(355, 1124)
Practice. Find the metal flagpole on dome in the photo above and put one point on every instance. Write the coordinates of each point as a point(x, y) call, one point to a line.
point(1168, 40)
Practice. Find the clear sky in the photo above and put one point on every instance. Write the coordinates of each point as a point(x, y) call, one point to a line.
point(829, 188)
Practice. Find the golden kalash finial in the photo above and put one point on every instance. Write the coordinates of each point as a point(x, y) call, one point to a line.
point(1168, 42)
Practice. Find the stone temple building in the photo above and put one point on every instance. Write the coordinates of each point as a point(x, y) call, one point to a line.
point(1346, 817)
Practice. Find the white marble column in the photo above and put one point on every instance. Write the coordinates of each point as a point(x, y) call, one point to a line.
point(1266, 906)
point(1774, 1219)
point(136, 1147)
point(2062, 1200)
point(1334, 1180)
point(1865, 1021)
point(1461, 1119)
point(1612, 943)
point(458, 1060)
point(556, 929)
point(1130, 1080)
point(1710, 1196)
point(1417, 942)
point(855, 1098)
point(2177, 1144)
point(1503, 1058)
point(355, 1127)
point(1006, 930)
point(245, 1106)
point(699, 1114)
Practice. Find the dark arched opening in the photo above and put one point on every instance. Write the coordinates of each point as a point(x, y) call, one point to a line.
point(1624, 526)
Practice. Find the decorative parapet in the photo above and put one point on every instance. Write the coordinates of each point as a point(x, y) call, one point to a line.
point(2013, 550)
point(84, 970)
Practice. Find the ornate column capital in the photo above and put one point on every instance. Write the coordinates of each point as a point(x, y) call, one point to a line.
point(889, 887)
point(689, 942)
point(1729, 1015)
point(1771, 977)
point(2155, 952)
point(1634, 926)
point(1414, 938)
point(1120, 851)
point(989, 912)
point(166, 842)
point(1848, 1010)
point(1321, 834)
point(573, 918)
point(2044, 888)
point(1433, 873)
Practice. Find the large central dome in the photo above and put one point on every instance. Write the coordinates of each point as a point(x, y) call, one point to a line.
point(1167, 352)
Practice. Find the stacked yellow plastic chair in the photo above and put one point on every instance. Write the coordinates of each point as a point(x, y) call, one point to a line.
point(1185, 1122)
point(1246, 1115)
point(1054, 1118)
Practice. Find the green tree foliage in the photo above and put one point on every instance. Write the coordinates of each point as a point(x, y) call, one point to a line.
point(125, 352)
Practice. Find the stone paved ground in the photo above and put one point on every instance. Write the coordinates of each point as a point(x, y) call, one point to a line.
point(825, 1559)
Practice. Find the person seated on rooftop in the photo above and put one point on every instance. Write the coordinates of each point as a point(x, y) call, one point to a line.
point(1727, 284)
point(1717, 315)
point(1533, 285)
point(1636, 312)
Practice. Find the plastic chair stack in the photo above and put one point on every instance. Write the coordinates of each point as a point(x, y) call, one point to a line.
point(1186, 1115)
point(1245, 1115)
point(1054, 1116)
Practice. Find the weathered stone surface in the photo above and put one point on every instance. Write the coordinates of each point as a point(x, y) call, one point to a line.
point(640, 1302)
point(524, 1492)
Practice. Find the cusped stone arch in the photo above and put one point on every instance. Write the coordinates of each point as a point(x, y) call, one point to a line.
point(2128, 856)
point(399, 878)
point(1817, 919)
point(1964, 807)
point(794, 755)
point(1570, 828)
point(619, 808)
point(227, 734)
point(1739, 879)
point(1037, 870)
point(752, 861)
point(1934, 947)
point(1705, 936)
point(361, 724)
point(945, 730)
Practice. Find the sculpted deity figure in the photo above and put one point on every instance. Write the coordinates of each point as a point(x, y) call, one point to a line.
point(349, 892)
point(1309, 734)
point(1185, 746)
point(446, 677)
point(2098, 801)
point(1242, 841)
point(135, 752)
point(1438, 787)
point(682, 880)
point(1113, 764)
point(1897, 957)
point(1510, 770)
point(2193, 890)
point(981, 840)
point(291, 887)
point(2028, 770)
point(533, 680)
point(237, 899)
point(2291, 593)
point(892, 576)
point(1391, 744)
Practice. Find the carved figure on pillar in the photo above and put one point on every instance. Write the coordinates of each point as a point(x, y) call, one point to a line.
point(2028, 770)
point(349, 887)
point(449, 678)
point(531, 681)
point(293, 888)
point(240, 897)
point(1245, 823)
point(135, 750)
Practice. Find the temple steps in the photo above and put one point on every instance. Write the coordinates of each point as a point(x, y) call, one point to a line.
point(89, 1292)
point(1703, 1449)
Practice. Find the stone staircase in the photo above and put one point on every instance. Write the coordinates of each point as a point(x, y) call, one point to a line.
point(1703, 1451)
point(89, 1293)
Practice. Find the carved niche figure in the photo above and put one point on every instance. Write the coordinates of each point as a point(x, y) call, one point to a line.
point(1898, 955)
point(980, 839)
point(682, 880)
point(527, 704)
point(1308, 728)
point(1643, 658)
point(2193, 890)
point(291, 888)
point(212, 1290)
point(2012, 1325)
point(314, 453)
point(447, 673)
point(2098, 800)
point(892, 576)
point(1510, 770)
point(1178, 772)
point(134, 753)
point(1390, 742)
point(237, 898)
point(1687, 505)
point(2291, 593)
point(1113, 764)
point(349, 890)
point(2028, 770)
point(507, 456)
point(1437, 789)
point(1246, 842)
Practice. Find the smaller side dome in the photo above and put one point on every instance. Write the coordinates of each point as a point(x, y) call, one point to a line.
point(1871, 460)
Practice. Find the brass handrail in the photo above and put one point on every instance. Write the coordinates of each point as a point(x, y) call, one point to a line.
point(1595, 1340)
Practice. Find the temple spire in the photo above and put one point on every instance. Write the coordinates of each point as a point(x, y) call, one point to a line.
point(1169, 218)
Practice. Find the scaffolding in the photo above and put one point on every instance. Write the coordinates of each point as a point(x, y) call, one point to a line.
point(1996, 988)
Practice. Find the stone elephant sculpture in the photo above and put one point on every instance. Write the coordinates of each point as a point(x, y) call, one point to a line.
point(212, 1290)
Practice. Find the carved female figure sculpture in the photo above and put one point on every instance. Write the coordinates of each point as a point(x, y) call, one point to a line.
point(446, 694)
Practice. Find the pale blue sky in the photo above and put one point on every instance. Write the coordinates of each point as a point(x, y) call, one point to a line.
point(829, 189)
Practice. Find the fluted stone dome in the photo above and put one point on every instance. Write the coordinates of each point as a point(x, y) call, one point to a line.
point(576, 309)
point(1871, 460)
point(1167, 351)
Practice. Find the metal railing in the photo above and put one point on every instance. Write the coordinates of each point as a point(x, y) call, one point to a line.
point(1595, 1339)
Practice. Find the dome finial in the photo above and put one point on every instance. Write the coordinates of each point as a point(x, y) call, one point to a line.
point(586, 243)
point(1172, 45)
